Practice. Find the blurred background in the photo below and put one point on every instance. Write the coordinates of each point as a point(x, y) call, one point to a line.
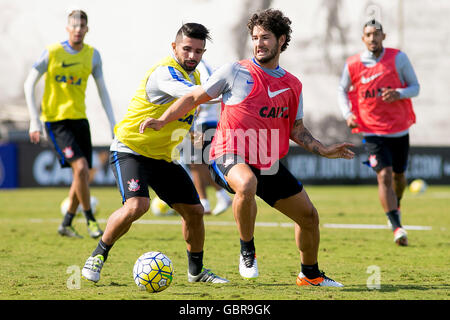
point(131, 36)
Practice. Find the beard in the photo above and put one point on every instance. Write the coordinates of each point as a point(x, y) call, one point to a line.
point(189, 68)
point(272, 54)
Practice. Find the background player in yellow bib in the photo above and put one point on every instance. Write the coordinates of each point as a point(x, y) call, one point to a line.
point(141, 160)
point(67, 66)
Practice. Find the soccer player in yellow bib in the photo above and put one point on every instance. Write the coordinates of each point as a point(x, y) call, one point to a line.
point(67, 66)
point(143, 160)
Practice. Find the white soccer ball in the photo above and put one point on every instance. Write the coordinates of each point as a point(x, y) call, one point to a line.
point(153, 272)
point(418, 186)
point(65, 205)
point(160, 208)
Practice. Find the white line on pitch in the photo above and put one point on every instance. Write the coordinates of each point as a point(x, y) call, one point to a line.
point(258, 224)
point(371, 226)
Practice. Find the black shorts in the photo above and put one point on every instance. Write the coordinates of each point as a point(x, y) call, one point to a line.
point(135, 173)
point(201, 156)
point(387, 152)
point(270, 188)
point(71, 140)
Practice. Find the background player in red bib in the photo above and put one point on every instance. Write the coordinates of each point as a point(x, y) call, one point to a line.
point(374, 97)
point(261, 111)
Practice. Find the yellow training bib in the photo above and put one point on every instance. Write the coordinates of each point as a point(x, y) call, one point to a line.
point(65, 83)
point(154, 144)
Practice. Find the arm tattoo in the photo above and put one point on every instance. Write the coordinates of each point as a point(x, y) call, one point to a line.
point(303, 137)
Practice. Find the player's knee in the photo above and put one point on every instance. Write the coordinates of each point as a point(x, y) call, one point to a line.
point(311, 219)
point(195, 213)
point(246, 186)
point(314, 217)
point(80, 168)
point(136, 208)
point(385, 176)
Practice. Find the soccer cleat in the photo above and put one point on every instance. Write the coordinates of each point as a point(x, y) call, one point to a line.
point(93, 229)
point(248, 266)
point(321, 281)
point(400, 237)
point(221, 206)
point(92, 268)
point(68, 231)
point(206, 276)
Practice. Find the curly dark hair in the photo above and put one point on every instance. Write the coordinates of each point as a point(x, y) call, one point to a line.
point(274, 21)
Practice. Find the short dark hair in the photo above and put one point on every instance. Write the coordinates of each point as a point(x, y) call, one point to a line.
point(193, 30)
point(373, 23)
point(274, 21)
point(78, 14)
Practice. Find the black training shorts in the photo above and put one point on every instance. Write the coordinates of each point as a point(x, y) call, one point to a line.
point(71, 140)
point(387, 152)
point(135, 173)
point(270, 187)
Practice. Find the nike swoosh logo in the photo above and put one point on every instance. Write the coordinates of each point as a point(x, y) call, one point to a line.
point(275, 93)
point(65, 65)
point(365, 80)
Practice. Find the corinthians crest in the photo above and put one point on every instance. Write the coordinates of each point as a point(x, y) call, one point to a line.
point(133, 185)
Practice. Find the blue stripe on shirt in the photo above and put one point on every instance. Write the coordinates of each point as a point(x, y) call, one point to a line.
point(176, 77)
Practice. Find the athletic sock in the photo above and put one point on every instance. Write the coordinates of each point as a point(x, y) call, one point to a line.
point(206, 205)
point(195, 260)
point(248, 247)
point(398, 202)
point(89, 215)
point(103, 249)
point(222, 194)
point(68, 217)
point(394, 219)
point(311, 271)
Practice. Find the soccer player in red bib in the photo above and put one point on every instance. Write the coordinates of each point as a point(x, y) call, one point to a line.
point(262, 109)
point(375, 94)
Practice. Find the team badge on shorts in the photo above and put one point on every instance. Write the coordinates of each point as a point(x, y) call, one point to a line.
point(133, 185)
point(68, 152)
point(373, 161)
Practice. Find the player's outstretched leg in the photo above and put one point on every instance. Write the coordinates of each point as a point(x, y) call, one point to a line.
point(118, 224)
point(194, 234)
point(307, 235)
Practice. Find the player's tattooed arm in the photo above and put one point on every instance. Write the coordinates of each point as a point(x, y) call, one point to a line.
point(301, 135)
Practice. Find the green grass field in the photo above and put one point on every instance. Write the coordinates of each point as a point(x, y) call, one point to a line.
point(36, 263)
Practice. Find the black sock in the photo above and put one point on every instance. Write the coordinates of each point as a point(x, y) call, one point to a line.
point(398, 202)
point(68, 219)
point(195, 260)
point(103, 249)
point(311, 271)
point(394, 219)
point(248, 247)
point(88, 215)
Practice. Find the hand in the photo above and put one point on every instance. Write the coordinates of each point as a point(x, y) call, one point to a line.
point(35, 137)
point(351, 121)
point(389, 95)
point(339, 150)
point(155, 124)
